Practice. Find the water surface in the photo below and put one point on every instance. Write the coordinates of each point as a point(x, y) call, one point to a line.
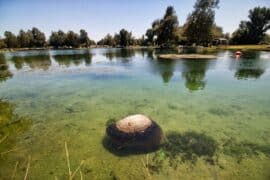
point(51, 97)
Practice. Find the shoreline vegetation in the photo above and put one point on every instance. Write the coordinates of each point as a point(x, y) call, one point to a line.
point(212, 48)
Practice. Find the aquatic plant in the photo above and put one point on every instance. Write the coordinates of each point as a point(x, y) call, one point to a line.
point(189, 145)
point(241, 149)
point(155, 164)
point(4, 75)
point(70, 173)
point(220, 111)
point(172, 106)
point(11, 126)
point(6, 112)
point(110, 121)
point(181, 147)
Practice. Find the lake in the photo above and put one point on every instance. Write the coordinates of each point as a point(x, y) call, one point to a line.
point(215, 114)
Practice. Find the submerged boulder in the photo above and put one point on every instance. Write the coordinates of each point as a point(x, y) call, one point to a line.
point(136, 132)
point(133, 124)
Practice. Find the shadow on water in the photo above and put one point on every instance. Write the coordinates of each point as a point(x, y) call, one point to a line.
point(4, 69)
point(189, 145)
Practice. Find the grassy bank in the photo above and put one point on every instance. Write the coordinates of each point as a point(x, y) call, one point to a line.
point(245, 47)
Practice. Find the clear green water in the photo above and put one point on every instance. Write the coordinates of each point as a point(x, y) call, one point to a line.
point(52, 97)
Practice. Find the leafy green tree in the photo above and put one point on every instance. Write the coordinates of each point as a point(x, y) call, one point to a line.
point(217, 31)
point(150, 36)
point(53, 39)
point(259, 23)
point(156, 26)
point(200, 22)
point(166, 33)
point(241, 35)
point(107, 40)
point(254, 30)
point(140, 41)
point(10, 40)
point(84, 39)
point(39, 39)
point(72, 39)
point(125, 38)
point(116, 39)
point(24, 39)
point(57, 39)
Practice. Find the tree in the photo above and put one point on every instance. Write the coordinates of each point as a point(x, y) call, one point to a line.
point(84, 39)
point(150, 36)
point(107, 40)
point(10, 40)
point(241, 35)
point(200, 22)
point(124, 38)
point(217, 31)
point(167, 27)
point(116, 39)
point(254, 30)
point(72, 39)
point(140, 41)
point(24, 39)
point(164, 31)
point(57, 39)
point(39, 39)
point(259, 23)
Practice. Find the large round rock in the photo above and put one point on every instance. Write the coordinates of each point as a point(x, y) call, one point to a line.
point(136, 132)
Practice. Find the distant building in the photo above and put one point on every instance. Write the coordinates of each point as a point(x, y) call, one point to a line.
point(220, 41)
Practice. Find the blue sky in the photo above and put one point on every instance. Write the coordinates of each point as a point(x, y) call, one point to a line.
point(99, 17)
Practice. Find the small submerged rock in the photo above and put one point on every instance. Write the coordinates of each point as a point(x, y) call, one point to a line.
point(135, 132)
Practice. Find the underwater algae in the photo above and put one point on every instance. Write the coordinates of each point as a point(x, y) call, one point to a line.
point(12, 126)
